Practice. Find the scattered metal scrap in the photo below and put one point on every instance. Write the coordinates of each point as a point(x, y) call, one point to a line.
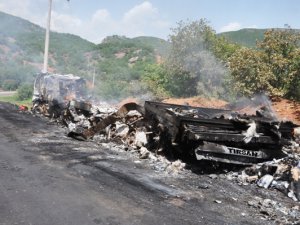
point(281, 174)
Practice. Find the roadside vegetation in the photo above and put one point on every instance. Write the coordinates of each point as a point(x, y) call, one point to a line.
point(22, 96)
point(273, 67)
point(202, 63)
point(15, 100)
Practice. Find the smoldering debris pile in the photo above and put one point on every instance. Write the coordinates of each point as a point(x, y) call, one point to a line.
point(206, 134)
point(282, 174)
point(126, 126)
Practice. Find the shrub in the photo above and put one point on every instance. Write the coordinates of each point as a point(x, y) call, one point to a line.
point(24, 92)
point(10, 85)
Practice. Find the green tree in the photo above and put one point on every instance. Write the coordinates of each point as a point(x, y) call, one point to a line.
point(249, 73)
point(294, 82)
point(155, 77)
point(281, 54)
point(223, 49)
point(10, 85)
point(122, 67)
point(273, 67)
point(24, 92)
point(196, 61)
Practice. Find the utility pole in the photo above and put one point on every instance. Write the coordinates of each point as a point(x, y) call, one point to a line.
point(46, 52)
point(45, 68)
point(94, 78)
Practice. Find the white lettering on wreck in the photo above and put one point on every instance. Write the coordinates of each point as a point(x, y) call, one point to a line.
point(236, 151)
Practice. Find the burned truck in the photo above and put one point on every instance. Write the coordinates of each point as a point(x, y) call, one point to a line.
point(54, 92)
point(222, 135)
point(219, 134)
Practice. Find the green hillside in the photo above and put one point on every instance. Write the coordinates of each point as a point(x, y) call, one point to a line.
point(245, 37)
point(122, 64)
point(118, 64)
point(118, 61)
point(25, 39)
point(22, 47)
point(160, 45)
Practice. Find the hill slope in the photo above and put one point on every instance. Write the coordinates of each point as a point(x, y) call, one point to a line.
point(161, 46)
point(123, 61)
point(246, 37)
point(22, 46)
point(117, 62)
point(249, 36)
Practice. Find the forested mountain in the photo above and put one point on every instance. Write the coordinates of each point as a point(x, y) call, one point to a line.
point(249, 36)
point(246, 37)
point(22, 47)
point(125, 67)
point(122, 64)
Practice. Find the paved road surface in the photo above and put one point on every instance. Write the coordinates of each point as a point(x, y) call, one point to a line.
point(48, 178)
point(7, 93)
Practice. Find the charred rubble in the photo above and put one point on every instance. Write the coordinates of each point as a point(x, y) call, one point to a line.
point(269, 147)
point(219, 134)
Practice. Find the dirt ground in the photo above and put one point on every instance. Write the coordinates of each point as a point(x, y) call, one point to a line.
point(283, 108)
point(287, 109)
point(198, 102)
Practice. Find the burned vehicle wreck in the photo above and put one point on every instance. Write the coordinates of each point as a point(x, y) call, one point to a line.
point(173, 136)
point(204, 133)
point(54, 92)
point(219, 134)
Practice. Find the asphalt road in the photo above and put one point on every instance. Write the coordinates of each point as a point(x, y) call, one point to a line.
point(48, 178)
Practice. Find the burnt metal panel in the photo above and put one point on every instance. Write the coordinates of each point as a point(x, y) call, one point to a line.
point(226, 129)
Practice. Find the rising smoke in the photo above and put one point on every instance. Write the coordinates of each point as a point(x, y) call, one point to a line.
point(209, 72)
point(191, 50)
point(212, 78)
point(259, 103)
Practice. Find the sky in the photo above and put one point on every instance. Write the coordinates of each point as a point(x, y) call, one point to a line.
point(95, 19)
